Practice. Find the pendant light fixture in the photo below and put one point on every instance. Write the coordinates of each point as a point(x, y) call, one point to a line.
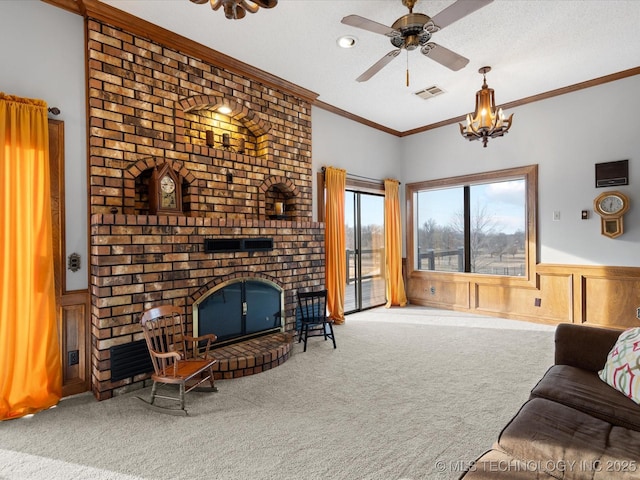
point(237, 9)
point(486, 122)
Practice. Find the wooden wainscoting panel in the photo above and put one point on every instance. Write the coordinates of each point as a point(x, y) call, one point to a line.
point(74, 318)
point(596, 295)
point(612, 302)
point(550, 303)
point(436, 293)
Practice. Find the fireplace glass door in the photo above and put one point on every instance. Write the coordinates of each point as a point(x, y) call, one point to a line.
point(240, 309)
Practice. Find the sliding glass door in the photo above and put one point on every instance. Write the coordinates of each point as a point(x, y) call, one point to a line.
point(364, 230)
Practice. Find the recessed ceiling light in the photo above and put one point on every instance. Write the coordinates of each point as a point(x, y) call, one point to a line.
point(224, 110)
point(347, 41)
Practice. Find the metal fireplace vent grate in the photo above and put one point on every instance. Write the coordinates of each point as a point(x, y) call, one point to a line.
point(213, 245)
point(129, 360)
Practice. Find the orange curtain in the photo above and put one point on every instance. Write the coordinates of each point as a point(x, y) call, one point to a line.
point(30, 365)
point(335, 180)
point(393, 245)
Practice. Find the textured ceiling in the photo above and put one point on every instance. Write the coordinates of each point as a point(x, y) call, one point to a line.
point(533, 46)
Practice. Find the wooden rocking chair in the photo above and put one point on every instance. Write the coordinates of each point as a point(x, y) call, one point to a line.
point(177, 359)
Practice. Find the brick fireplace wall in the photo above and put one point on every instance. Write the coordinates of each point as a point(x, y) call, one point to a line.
point(151, 105)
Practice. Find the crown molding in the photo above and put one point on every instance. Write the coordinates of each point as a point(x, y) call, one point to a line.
point(355, 118)
point(535, 98)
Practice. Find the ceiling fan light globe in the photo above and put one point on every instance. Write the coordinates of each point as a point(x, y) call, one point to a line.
point(397, 42)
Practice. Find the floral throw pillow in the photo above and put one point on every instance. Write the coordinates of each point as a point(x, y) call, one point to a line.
point(622, 369)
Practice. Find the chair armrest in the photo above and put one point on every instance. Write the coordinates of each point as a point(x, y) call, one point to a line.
point(584, 346)
point(209, 337)
point(166, 355)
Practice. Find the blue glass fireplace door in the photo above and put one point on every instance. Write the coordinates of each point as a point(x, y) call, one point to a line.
point(240, 309)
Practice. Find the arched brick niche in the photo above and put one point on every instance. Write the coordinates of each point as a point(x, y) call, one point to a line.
point(279, 189)
point(200, 128)
point(136, 186)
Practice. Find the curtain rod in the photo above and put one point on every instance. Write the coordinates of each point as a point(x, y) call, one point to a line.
point(352, 175)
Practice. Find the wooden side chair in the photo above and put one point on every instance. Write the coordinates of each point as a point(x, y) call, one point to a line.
point(177, 359)
point(312, 317)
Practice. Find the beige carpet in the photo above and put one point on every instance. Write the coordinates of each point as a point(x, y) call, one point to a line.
point(411, 393)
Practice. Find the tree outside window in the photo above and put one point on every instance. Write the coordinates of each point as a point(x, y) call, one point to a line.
point(477, 225)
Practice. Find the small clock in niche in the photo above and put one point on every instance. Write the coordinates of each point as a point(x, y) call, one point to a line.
point(611, 206)
point(165, 192)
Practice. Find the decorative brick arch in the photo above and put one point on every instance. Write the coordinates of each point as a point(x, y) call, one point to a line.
point(284, 185)
point(135, 170)
point(237, 275)
point(257, 126)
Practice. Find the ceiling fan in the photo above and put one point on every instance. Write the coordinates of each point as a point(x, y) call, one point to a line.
point(237, 9)
point(414, 30)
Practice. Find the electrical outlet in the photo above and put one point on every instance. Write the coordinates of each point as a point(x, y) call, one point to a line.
point(74, 357)
point(433, 290)
point(537, 302)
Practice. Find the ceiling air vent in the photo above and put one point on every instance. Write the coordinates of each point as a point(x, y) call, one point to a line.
point(429, 92)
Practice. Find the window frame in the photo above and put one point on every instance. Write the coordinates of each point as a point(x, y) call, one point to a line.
point(530, 175)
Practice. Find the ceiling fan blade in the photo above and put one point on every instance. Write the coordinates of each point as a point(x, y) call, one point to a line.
point(444, 56)
point(379, 65)
point(366, 24)
point(266, 3)
point(458, 10)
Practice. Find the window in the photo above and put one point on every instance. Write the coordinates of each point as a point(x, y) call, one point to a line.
point(478, 224)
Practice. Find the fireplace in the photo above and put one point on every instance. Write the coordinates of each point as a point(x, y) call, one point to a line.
point(239, 309)
point(229, 227)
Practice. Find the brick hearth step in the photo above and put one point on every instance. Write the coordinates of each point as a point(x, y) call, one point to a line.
point(252, 356)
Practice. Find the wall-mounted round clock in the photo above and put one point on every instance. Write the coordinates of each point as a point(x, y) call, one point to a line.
point(611, 206)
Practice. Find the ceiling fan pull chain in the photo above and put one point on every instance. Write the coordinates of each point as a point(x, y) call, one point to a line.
point(407, 68)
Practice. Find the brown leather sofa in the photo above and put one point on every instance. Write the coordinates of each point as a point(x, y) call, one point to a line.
point(574, 426)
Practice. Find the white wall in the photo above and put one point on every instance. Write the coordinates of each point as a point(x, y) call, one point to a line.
point(566, 136)
point(42, 52)
point(360, 150)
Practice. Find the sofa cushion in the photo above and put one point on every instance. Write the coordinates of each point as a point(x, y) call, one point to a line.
point(622, 368)
point(569, 444)
point(583, 346)
point(583, 390)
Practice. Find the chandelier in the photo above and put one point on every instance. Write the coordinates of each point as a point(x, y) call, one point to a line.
point(486, 121)
point(237, 9)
